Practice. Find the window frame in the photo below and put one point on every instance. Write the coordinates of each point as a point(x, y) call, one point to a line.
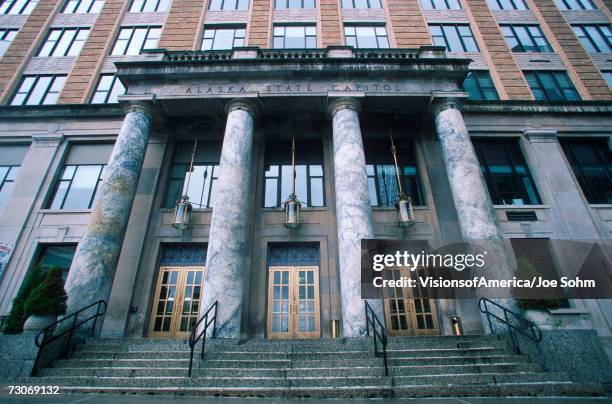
point(279, 186)
point(108, 92)
point(478, 84)
point(566, 5)
point(129, 40)
point(4, 33)
point(584, 181)
point(512, 2)
point(517, 38)
point(517, 178)
point(585, 35)
point(376, 35)
point(31, 89)
point(536, 74)
point(57, 42)
point(26, 9)
point(223, 2)
point(354, 5)
point(214, 176)
point(78, 4)
point(284, 36)
point(13, 171)
point(288, 7)
point(455, 26)
point(60, 180)
point(216, 28)
point(432, 5)
point(144, 4)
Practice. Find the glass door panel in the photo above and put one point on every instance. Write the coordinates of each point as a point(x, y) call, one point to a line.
point(280, 302)
point(307, 303)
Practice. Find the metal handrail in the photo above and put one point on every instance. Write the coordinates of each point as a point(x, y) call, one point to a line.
point(529, 329)
point(382, 335)
point(193, 340)
point(42, 339)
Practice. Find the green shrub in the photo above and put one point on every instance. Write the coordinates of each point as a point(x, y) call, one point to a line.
point(525, 270)
point(49, 297)
point(17, 316)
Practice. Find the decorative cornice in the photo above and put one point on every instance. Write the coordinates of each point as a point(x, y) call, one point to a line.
point(61, 111)
point(541, 135)
point(242, 104)
point(344, 103)
point(556, 107)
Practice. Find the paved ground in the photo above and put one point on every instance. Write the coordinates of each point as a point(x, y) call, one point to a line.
point(136, 399)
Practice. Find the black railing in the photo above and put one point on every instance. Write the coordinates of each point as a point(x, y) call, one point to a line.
point(372, 319)
point(516, 324)
point(46, 335)
point(193, 340)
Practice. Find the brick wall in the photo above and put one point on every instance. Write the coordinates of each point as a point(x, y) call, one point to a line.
point(575, 54)
point(408, 24)
point(182, 25)
point(259, 24)
point(24, 45)
point(504, 63)
point(84, 75)
point(331, 26)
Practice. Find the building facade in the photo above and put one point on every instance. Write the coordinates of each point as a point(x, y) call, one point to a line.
point(499, 111)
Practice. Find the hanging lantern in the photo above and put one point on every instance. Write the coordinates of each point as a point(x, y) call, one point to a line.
point(405, 213)
point(293, 206)
point(182, 208)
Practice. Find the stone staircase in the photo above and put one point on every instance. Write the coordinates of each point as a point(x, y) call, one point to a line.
point(418, 367)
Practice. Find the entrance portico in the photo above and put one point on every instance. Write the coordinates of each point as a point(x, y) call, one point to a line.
point(247, 86)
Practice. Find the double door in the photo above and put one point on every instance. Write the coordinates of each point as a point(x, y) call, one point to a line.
point(293, 302)
point(409, 311)
point(177, 302)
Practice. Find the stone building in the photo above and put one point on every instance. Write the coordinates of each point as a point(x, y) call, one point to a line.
point(500, 112)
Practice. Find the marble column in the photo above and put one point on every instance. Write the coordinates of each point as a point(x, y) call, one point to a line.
point(93, 267)
point(229, 232)
point(353, 213)
point(475, 213)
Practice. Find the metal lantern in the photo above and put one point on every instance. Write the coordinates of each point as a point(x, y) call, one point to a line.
point(405, 213)
point(182, 208)
point(293, 207)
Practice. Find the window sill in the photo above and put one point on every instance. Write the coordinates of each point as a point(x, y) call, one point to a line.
point(521, 206)
point(600, 205)
point(64, 211)
point(170, 210)
point(568, 311)
point(303, 209)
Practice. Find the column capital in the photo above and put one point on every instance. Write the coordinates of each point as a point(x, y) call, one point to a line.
point(242, 104)
point(142, 107)
point(441, 101)
point(541, 135)
point(344, 103)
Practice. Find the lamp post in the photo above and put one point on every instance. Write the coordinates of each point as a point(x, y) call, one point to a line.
point(293, 206)
point(405, 212)
point(182, 208)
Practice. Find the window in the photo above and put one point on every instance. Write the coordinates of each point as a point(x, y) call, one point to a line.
point(479, 85)
point(109, 87)
point(149, 6)
point(203, 176)
point(39, 90)
point(607, 75)
point(594, 38)
point(56, 255)
point(7, 182)
point(455, 37)
point(366, 36)
point(507, 4)
point(217, 5)
point(309, 178)
point(222, 38)
point(6, 37)
point(83, 6)
point(17, 6)
point(280, 4)
point(64, 42)
point(525, 38)
point(575, 4)
point(382, 179)
point(295, 36)
point(132, 40)
point(77, 186)
point(591, 161)
point(440, 4)
point(549, 85)
point(361, 4)
point(505, 172)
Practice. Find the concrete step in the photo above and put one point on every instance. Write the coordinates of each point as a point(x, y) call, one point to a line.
point(417, 370)
point(458, 360)
point(546, 389)
point(479, 378)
